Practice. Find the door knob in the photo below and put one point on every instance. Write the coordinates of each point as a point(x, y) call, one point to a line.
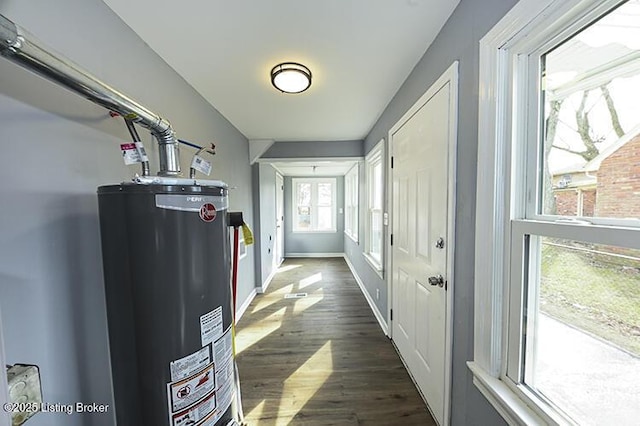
point(437, 280)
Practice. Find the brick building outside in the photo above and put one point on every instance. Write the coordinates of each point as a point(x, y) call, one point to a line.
point(607, 186)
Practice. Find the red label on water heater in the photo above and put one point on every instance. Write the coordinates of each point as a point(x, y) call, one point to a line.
point(207, 212)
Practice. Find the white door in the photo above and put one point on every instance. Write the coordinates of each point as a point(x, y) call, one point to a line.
point(279, 250)
point(420, 149)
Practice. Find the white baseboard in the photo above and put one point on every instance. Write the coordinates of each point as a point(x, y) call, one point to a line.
point(372, 305)
point(263, 288)
point(314, 255)
point(242, 309)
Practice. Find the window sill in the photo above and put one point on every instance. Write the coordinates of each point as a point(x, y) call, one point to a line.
point(377, 267)
point(351, 237)
point(506, 402)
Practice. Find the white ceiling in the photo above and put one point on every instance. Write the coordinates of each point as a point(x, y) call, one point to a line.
point(359, 51)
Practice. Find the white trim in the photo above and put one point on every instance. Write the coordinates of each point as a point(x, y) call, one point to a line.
point(450, 76)
point(351, 238)
point(243, 308)
point(314, 255)
point(314, 207)
point(263, 288)
point(372, 304)
point(257, 147)
point(531, 26)
point(512, 409)
point(374, 264)
point(350, 229)
point(378, 152)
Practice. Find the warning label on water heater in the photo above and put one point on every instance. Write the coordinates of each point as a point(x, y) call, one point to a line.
point(211, 326)
point(188, 391)
point(190, 364)
point(203, 398)
point(200, 412)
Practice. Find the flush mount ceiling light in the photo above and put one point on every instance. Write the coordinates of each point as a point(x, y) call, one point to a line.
point(291, 77)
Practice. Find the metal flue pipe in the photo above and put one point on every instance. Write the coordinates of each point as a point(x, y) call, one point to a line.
point(18, 46)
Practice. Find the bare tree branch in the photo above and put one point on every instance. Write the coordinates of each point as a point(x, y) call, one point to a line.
point(584, 130)
point(551, 125)
point(580, 153)
point(615, 121)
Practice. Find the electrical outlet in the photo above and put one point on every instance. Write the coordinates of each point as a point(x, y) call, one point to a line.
point(377, 294)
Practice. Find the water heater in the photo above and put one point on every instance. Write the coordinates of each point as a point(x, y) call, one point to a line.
point(166, 254)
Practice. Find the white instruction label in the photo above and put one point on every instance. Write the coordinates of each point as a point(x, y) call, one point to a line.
point(211, 326)
point(186, 392)
point(225, 378)
point(190, 364)
point(196, 415)
point(141, 151)
point(201, 165)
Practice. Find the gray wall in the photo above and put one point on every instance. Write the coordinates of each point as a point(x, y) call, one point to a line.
point(264, 185)
point(57, 149)
point(314, 149)
point(458, 40)
point(310, 242)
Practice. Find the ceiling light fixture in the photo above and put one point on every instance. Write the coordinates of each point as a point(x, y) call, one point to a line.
point(291, 77)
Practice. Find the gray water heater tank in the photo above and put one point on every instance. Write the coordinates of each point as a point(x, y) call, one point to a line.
point(166, 254)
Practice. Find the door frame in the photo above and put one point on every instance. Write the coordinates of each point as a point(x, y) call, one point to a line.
point(280, 246)
point(449, 76)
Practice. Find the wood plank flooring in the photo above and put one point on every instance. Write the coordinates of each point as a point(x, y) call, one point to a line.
point(321, 359)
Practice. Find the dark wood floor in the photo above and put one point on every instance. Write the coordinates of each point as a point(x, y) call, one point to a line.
point(321, 359)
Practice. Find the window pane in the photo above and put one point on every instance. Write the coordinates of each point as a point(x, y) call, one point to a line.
point(377, 186)
point(325, 197)
point(376, 235)
point(325, 221)
point(583, 331)
point(591, 149)
point(304, 194)
point(304, 218)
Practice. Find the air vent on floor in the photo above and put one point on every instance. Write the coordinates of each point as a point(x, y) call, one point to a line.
point(295, 295)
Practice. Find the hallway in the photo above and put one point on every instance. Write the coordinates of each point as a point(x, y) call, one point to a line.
point(321, 359)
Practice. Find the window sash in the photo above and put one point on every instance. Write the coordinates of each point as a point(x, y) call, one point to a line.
point(525, 219)
point(314, 204)
point(351, 202)
point(509, 188)
point(375, 196)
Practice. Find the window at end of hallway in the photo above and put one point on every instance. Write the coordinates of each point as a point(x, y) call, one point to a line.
point(375, 195)
point(314, 204)
point(351, 202)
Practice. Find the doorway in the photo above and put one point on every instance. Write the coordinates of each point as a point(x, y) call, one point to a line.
point(279, 243)
point(422, 178)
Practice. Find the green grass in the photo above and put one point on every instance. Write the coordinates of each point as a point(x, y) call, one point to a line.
point(594, 292)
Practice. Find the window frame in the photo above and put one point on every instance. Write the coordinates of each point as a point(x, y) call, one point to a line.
point(352, 202)
point(314, 181)
point(374, 157)
point(505, 211)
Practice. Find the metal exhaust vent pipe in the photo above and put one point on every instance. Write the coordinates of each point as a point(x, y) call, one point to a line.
point(20, 47)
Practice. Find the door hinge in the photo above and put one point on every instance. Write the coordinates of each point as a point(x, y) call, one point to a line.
point(391, 239)
point(391, 314)
point(392, 162)
point(446, 285)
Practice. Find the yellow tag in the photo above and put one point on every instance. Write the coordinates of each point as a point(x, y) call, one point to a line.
point(247, 234)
